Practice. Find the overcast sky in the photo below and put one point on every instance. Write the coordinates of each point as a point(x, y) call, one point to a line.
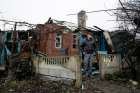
point(38, 11)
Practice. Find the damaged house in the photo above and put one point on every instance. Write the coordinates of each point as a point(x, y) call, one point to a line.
point(56, 49)
point(12, 42)
point(58, 53)
point(55, 40)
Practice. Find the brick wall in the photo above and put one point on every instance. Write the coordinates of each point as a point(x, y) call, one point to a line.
point(46, 40)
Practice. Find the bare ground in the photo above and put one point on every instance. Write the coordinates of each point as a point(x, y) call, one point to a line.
point(94, 85)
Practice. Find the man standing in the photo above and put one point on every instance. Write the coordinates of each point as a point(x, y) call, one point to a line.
point(89, 55)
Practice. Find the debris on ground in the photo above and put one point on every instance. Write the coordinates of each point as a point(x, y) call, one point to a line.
point(110, 86)
point(35, 85)
point(89, 85)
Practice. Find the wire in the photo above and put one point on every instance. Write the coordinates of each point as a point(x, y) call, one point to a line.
point(106, 10)
point(19, 23)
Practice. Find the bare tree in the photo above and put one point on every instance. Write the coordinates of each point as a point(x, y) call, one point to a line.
point(128, 17)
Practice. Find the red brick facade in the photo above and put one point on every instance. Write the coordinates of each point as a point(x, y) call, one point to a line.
point(46, 40)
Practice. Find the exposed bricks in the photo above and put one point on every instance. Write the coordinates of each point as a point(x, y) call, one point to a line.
point(46, 42)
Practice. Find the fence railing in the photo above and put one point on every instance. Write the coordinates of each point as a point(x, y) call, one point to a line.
point(110, 58)
point(55, 60)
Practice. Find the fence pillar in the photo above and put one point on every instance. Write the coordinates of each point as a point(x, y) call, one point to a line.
point(74, 64)
point(78, 72)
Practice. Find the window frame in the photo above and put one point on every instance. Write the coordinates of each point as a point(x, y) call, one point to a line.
point(75, 41)
point(58, 35)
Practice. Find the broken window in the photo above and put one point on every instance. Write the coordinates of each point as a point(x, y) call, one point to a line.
point(58, 40)
point(9, 36)
point(75, 41)
point(12, 47)
point(23, 36)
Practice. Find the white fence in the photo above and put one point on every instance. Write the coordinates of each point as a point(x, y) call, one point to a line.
point(61, 60)
point(109, 63)
point(65, 67)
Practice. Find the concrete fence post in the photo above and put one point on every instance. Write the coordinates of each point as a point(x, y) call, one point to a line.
point(78, 72)
point(74, 64)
